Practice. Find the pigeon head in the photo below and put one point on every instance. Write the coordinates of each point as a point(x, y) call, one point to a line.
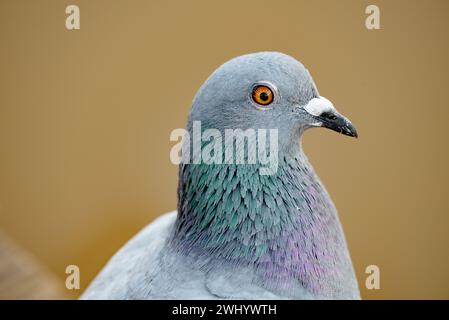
point(266, 90)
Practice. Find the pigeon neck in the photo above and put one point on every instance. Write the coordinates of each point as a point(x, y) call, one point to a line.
point(284, 224)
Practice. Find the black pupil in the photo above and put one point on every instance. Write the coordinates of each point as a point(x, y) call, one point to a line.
point(264, 96)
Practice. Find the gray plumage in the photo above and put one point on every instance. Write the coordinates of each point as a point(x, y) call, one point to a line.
point(237, 233)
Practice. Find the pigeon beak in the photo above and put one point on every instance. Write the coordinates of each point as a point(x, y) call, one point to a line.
point(340, 124)
point(325, 115)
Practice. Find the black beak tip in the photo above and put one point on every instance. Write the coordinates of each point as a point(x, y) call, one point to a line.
point(350, 130)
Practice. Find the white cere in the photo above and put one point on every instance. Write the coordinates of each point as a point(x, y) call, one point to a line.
point(317, 106)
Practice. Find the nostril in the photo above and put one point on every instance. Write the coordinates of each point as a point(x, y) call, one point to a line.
point(329, 115)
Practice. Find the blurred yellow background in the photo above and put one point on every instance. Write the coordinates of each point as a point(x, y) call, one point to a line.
point(85, 118)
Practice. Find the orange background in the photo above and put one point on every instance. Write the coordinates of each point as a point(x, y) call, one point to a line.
point(85, 118)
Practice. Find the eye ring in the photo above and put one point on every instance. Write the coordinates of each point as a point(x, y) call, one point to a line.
point(263, 94)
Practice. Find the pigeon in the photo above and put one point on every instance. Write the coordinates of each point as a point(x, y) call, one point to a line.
point(238, 232)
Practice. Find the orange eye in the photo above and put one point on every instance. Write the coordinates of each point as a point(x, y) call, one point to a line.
point(262, 95)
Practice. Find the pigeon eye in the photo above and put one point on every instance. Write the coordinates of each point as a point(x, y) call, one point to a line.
point(262, 95)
